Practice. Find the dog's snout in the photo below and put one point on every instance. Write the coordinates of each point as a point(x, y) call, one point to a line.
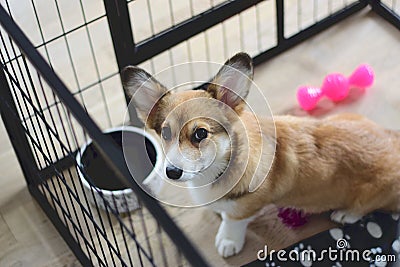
point(174, 173)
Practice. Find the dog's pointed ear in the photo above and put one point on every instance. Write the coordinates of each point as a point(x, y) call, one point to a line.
point(143, 89)
point(232, 83)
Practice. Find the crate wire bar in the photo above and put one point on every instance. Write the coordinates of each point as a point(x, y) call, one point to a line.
point(48, 119)
point(60, 193)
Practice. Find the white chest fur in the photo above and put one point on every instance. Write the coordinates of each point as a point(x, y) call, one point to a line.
point(226, 206)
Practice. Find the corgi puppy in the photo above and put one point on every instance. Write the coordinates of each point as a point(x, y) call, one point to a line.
point(344, 163)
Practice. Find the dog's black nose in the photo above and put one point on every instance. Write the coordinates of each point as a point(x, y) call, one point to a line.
point(173, 173)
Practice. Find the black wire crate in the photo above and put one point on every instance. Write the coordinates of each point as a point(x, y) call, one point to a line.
point(61, 91)
point(47, 137)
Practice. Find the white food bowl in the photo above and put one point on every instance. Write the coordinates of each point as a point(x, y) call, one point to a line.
point(137, 144)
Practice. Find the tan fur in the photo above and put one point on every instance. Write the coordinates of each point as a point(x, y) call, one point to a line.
point(344, 162)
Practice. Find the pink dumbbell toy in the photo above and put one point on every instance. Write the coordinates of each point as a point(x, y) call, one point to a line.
point(335, 86)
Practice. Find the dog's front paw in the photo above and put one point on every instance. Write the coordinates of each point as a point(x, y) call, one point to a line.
point(227, 247)
point(342, 216)
point(231, 235)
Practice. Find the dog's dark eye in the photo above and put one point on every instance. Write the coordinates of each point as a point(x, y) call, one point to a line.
point(200, 134)
point(166, 133)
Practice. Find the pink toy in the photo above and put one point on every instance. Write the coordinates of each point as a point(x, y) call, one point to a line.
point(335, 86)
point(292, 218)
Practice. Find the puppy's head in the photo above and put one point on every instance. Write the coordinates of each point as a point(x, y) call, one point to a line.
point(195, 126)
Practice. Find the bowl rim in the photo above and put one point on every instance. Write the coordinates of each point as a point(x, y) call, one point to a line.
point(134, 129)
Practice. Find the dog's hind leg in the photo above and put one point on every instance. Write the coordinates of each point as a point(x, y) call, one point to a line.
point(345, 216)
point(364, 205)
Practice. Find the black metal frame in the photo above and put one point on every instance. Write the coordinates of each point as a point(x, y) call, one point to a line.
point(127, 52)
point(101, 141)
